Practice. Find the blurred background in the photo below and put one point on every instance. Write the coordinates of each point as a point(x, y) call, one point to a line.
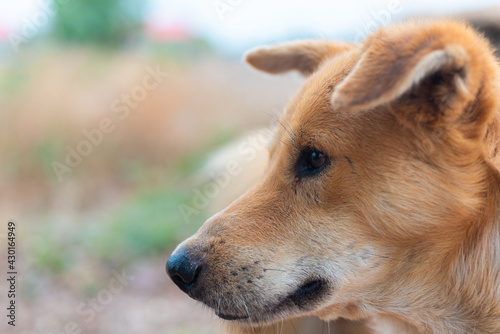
point(118, 118)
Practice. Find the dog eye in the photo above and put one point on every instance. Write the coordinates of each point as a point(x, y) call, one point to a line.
point(310, 162)
point(316, 159)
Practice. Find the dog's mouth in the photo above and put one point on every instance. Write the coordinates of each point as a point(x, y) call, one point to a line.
point(231, 317)
point(302, 299)
point(307, 293)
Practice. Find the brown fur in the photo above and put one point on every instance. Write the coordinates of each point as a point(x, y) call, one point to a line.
point(403, 224)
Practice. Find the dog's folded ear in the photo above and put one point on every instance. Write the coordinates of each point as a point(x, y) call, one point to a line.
point(430, 74)
point(303, 56)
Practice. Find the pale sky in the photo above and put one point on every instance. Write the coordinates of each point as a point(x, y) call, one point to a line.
point(253, 21)
point(235, 24)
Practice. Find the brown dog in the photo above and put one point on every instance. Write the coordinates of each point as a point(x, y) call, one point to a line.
point(382, 196)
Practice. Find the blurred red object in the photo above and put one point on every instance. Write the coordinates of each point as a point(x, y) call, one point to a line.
point(168, 32)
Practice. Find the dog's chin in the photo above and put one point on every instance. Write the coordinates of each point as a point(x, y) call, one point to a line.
point(299, 302)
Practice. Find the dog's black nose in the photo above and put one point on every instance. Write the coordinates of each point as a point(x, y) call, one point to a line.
point(184, 269)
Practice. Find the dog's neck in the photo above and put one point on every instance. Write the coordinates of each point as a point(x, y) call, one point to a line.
point(465, 296)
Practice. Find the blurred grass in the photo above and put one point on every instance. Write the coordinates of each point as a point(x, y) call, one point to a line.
point(145, 224)
point(45, 151)
point(146, 219)
point(181, 51)
point(13, 80)
point(120, 205)
point(190, 163)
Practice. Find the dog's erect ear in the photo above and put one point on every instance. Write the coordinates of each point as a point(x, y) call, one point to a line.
point(303, 56)
point(430, 74)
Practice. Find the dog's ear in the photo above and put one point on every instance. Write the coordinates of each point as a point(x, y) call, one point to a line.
point(303, 56)
point(429, 74)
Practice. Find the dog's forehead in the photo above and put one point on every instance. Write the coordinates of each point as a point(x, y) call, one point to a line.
point(311, 108)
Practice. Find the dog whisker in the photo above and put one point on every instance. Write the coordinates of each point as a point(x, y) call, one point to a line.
point(390, 258)
point(248, 314)
point(288, 130)
point(291, 322)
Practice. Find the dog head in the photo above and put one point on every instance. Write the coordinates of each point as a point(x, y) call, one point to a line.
point(378, 167)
